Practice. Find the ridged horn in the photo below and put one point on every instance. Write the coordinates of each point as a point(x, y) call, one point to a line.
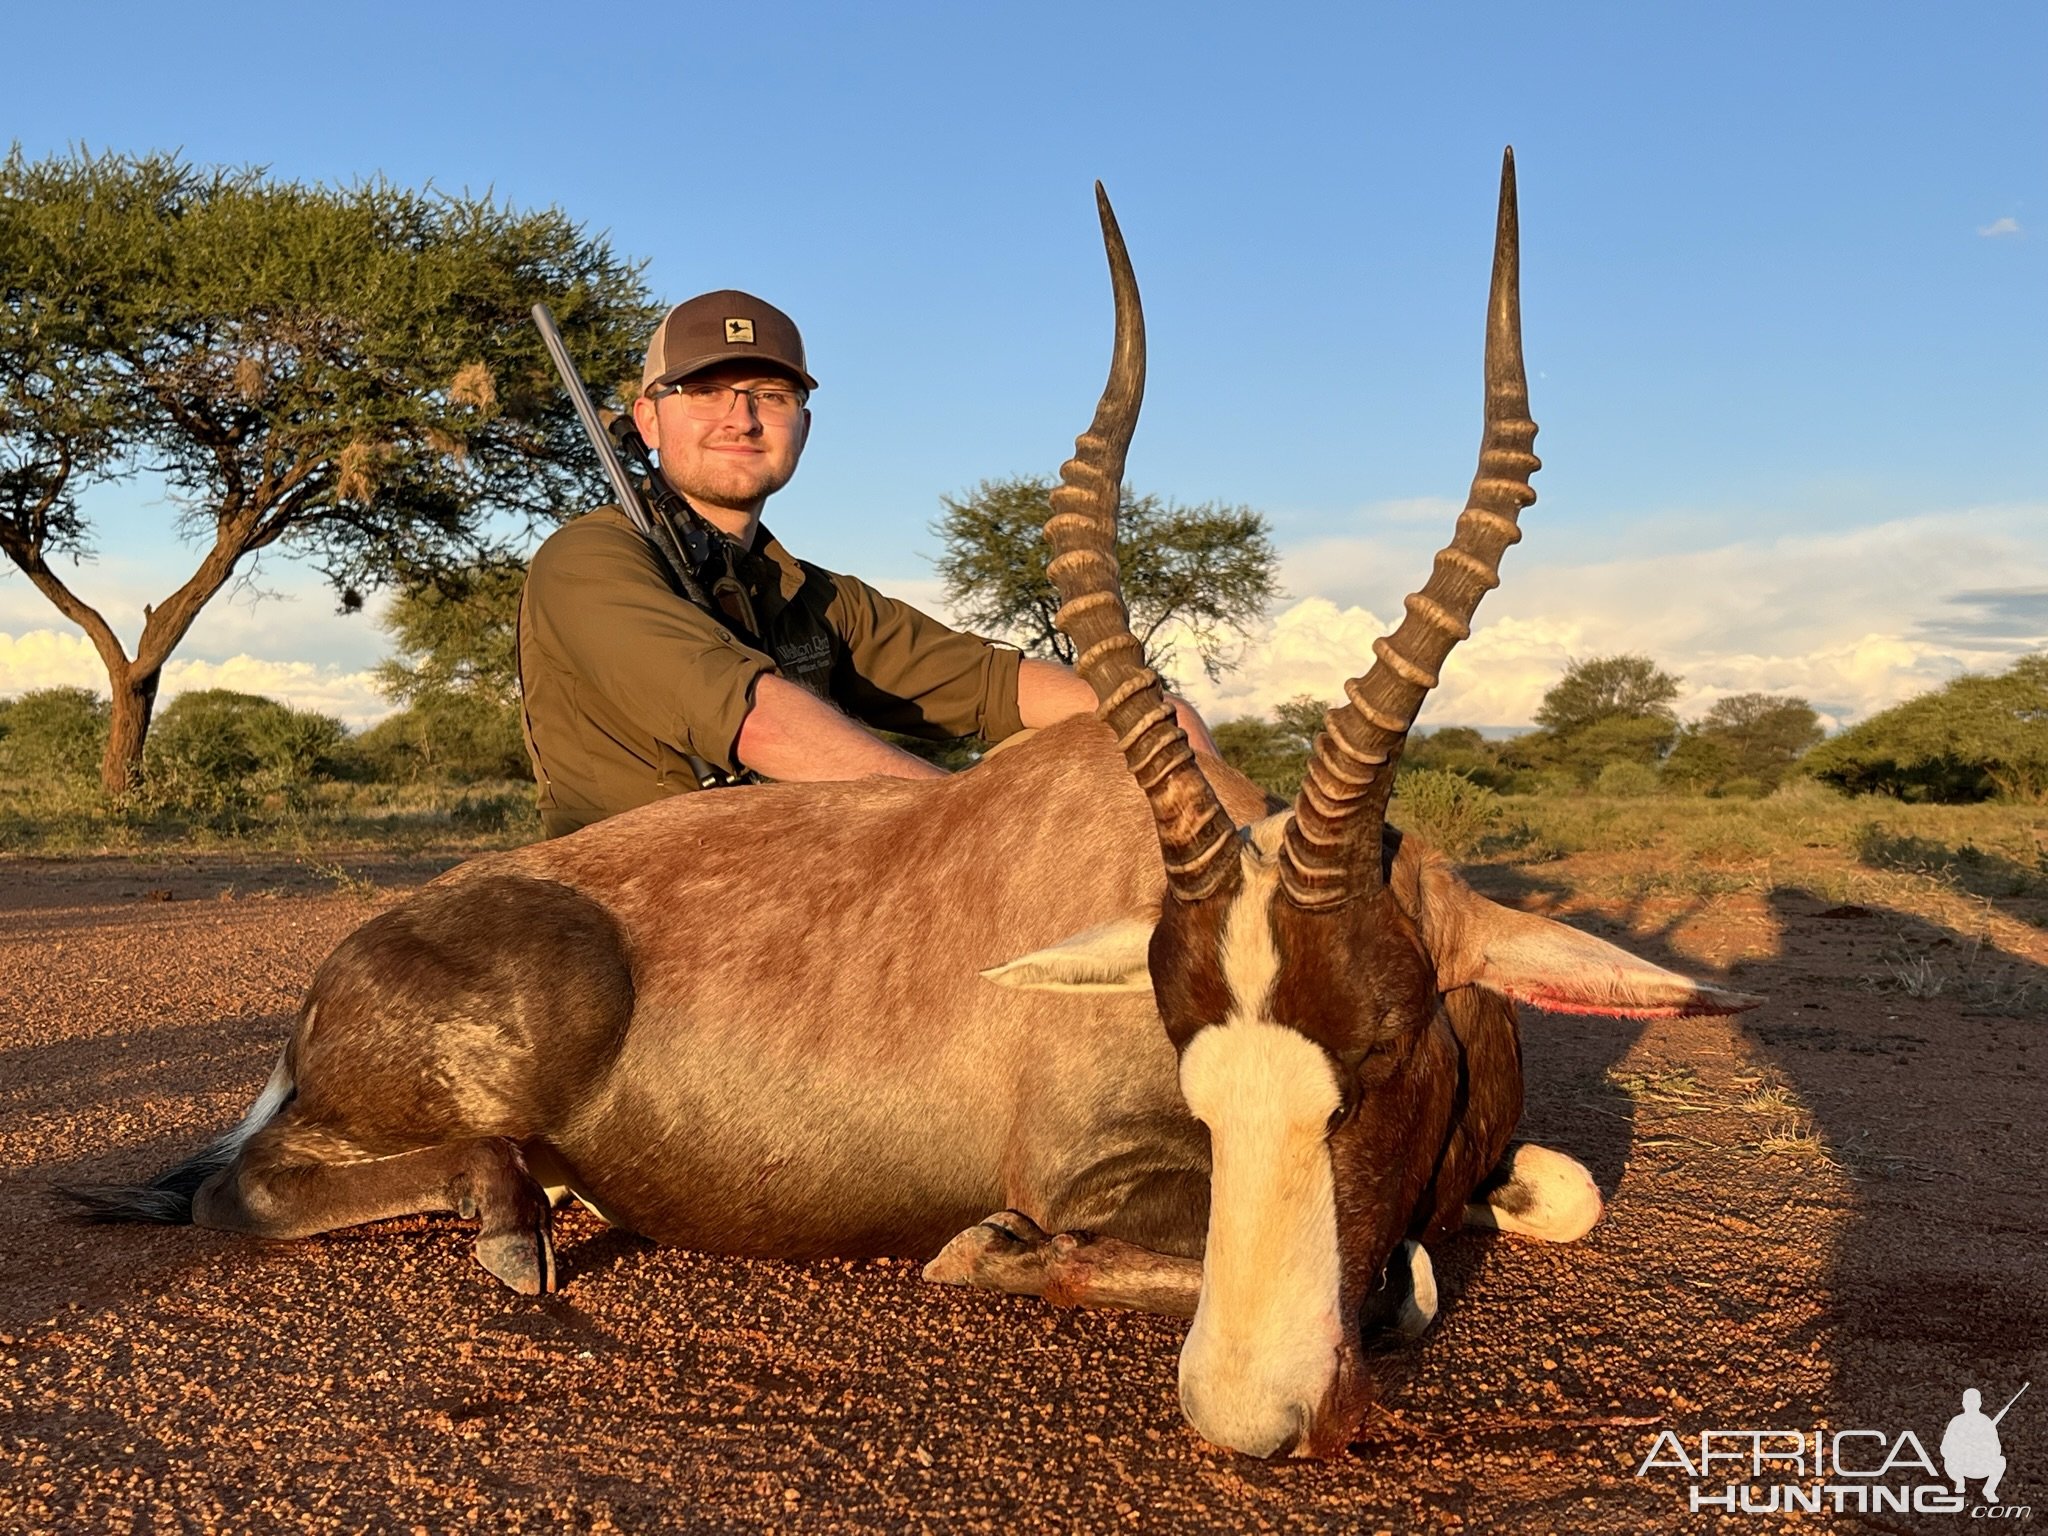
point(1196, 835)
point(1332, 851)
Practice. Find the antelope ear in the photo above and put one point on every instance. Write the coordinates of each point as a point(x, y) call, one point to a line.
point(1547, 965)
point(1111, 958)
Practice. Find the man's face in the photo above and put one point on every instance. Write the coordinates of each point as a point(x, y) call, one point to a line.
point(736, 461)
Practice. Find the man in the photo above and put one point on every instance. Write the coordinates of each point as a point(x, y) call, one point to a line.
point(625, 683)
point(1970, 1448)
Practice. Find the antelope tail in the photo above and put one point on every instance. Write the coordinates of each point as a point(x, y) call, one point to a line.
point(167, 1198)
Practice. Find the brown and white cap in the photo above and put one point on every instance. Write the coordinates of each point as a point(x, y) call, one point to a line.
point(722, 327)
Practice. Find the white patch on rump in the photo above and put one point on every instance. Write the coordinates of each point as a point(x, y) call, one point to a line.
point(1263, 1349)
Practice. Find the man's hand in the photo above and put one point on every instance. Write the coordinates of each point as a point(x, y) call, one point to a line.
point(792, 734)
point(1047, 691)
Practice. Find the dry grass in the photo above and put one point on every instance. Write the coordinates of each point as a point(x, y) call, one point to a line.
point(1978, 977)
point(1970, 868)
point(344, 880)
point(1672, 1085)
point(2001, 871)
point(1770, 1117)
point(1799, 1138)
point(1955, 844)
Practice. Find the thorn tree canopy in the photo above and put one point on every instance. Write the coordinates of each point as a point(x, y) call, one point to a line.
point(1751, 738)
point(456, 674)
point(1970, 739)
point(1605, 709)
point(1274, 753)
point(1604, 687)
point(1210, 569)
point(348, 374)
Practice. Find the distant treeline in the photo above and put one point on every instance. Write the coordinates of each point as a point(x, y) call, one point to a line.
point(1605, 728)
point(454, 676)
point(216, 749)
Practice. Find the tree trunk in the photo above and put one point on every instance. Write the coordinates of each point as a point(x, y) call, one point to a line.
point(134, 699)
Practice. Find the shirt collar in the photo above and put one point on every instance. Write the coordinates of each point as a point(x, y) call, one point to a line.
point(789, 574)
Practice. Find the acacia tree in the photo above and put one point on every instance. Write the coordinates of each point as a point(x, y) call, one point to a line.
point(1970, 739)
point(1273, 753)
point(456, 674)
point(1745, 738)
point(349, 375)
point(1606, 687)
point(1605, 709)
point(1210, 569)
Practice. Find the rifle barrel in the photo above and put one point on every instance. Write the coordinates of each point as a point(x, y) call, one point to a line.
point(623, 489)
point(600, 440)
point(2013, 1399)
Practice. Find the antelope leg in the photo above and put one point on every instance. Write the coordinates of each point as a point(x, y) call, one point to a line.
point(1403, 1306)
point(293, 1181)
point(1009, 1252)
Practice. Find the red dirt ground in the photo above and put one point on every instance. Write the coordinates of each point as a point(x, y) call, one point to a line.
point(1826, 1214)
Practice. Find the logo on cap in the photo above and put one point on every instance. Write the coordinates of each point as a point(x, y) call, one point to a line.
point(739, 331)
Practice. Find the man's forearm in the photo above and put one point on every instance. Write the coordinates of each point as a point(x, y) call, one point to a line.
point(792, 734)
point(1048, 692)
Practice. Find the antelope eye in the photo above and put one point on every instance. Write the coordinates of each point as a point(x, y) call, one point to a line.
point(1347, 1094)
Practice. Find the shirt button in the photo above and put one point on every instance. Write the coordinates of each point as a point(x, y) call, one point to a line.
point(724, 638)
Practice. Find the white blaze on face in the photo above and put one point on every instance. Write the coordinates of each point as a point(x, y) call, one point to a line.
point(1263, 1349)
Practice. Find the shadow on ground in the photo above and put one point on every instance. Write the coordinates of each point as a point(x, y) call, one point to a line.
point(1912, 1052)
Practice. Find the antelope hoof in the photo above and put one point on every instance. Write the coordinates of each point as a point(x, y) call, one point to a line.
point(1405, 1305)
point(1003, 1235)
point(1539, 1193)
point(522, 1257)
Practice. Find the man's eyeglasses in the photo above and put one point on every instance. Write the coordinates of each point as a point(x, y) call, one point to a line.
point(774, 404)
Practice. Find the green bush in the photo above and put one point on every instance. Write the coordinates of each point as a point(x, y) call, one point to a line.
point(1975, 738)
point(215, 749)
point(1457, 749)
point(53, 733)
point(1268, 754)
point(1545, 756)
point(450, 738)
point(1626, 781)
point(1446, 808)
point(1805, 794)
point(491, 813)
point(1743, 746)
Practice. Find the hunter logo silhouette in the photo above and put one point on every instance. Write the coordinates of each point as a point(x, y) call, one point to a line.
point(739, 331)
point(1970, 1448)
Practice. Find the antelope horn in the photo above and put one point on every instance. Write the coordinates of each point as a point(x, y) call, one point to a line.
point(1332, 851)
point(1196, 835)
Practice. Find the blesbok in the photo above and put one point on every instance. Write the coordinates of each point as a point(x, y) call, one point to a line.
point(853, 1018)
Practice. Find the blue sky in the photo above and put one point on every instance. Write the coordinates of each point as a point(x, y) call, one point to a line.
point(1785, 293)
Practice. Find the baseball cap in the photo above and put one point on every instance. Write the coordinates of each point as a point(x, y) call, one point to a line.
point(722, 327)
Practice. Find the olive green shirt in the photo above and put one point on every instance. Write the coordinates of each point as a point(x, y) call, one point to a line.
point(623, 681)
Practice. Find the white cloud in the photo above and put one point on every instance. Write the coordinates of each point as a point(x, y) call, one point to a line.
point(46, 658)
point(287, 644)
point(1853, 621)
point(294, 615)
point(1494, 678)
point(1997, 227)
